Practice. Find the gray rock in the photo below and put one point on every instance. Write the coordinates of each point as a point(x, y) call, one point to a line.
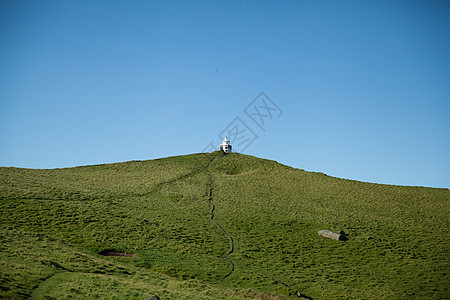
point(154, 297)
point(332, 235)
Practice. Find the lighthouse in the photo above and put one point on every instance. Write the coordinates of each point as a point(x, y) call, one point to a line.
point(225, 146)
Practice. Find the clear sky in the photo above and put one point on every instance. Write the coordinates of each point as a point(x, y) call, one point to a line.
point(356, 89)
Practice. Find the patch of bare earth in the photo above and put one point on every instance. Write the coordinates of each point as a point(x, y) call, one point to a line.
point(117, 253)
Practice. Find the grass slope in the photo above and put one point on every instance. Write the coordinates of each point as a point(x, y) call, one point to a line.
point(198, 219)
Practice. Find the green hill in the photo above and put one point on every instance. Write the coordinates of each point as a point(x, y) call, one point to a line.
point(214, 226)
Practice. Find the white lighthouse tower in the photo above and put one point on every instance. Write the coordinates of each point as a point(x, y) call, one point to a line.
point(225, 146)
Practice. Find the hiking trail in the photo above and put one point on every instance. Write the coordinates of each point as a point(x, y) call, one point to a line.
point(231, 242)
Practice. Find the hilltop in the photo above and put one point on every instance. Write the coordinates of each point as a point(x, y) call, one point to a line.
point(215, 226)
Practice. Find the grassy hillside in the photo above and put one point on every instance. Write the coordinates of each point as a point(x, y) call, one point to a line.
point(212, 226)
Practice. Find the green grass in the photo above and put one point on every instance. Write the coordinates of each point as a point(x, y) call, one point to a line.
point(55, 221)
point(35, 265)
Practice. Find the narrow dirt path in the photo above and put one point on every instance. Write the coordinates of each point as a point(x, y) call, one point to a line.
point(211, 206)
point(220, 227)
point(38, 286)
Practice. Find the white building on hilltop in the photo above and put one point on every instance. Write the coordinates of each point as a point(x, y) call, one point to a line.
point(225, 146)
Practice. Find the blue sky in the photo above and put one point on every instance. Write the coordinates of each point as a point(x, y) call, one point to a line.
point(362, 86)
